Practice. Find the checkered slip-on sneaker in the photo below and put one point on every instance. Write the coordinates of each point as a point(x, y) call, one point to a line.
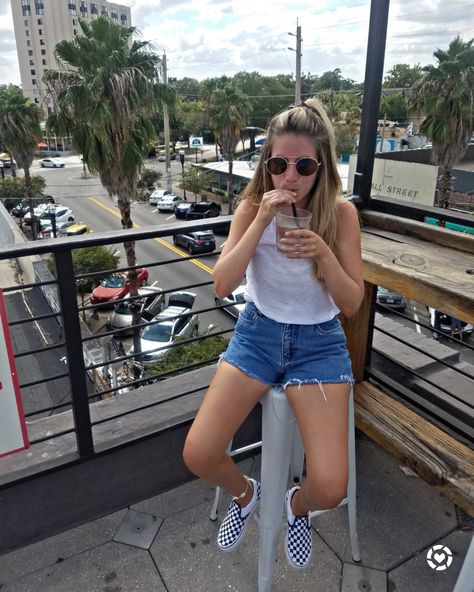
point(232, 529)
point(299, 540)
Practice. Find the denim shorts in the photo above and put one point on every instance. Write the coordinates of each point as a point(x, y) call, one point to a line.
point(281, 355)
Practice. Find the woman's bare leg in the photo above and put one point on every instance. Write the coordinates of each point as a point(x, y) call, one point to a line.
point(324, 430)
point(230, 398)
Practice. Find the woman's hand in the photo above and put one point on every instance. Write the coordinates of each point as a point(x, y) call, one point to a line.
point(302, 244)
point(271, 200)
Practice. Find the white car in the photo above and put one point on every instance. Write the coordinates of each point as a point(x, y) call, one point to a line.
point(168, 203)
point(236, 301)
point(157, 195)
point(156, 338)
point(61, 213)
point(38, 210)
point(53, 163)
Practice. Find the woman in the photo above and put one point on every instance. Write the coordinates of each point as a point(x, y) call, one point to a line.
point(289, 335)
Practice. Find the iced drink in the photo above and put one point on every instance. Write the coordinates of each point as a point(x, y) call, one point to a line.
point(285, 220)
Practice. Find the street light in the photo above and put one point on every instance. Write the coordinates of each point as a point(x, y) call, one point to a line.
point(181, 158)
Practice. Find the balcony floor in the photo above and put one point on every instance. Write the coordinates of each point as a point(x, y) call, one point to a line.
point(167, 543)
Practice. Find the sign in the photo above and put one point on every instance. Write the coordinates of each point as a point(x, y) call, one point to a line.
point(196, 142)
point(406, 181)
point(13, 432)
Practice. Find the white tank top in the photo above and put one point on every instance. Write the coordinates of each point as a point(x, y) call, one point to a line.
point(286, 290)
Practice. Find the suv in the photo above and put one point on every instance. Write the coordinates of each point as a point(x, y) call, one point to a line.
point(199, 241)
point(203, 209)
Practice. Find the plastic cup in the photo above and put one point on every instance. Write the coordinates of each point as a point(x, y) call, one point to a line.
point(286, 220)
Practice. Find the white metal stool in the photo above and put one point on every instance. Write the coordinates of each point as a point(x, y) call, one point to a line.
point(465, 581)
point(278, 429)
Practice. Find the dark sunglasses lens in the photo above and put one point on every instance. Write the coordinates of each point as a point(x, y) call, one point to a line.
point(306, 166)
point(276, 165)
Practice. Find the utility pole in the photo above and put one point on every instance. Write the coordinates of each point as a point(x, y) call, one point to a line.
point(166, 126)
point(298, 63)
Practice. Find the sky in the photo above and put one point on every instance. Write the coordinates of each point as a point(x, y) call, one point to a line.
point(207, 38)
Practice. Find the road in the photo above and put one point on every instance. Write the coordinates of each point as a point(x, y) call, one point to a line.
point(91, 205)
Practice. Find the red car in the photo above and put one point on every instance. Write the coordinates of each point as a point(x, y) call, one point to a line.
point(116, 286)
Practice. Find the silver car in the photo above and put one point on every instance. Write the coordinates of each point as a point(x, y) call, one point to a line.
point(157, 337)
point(235, 300)
point(152, 303)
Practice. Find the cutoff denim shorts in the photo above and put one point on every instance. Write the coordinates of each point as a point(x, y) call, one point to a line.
point(281, 355)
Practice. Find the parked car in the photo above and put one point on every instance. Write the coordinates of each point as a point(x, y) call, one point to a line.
point(182, 209)
point(157, 195)
point(199, 241)
point(23, 207)
point(156, 338)
point(152, 303)
point(203, 209)
point(168, 203)
point(52, 163)
point(116, 286)
point(390, 298)
point(7, 162)
point(61, 213)
point(73, 229)
point(235, 300)
point(37, 211)
point(447, 324)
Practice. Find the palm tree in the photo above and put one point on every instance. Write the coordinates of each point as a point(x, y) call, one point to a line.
point(229, 111)
point(20, 133)
point(106, 93)
point(445, 95)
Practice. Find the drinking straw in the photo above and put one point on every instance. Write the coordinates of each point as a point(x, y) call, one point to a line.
point(295, 215)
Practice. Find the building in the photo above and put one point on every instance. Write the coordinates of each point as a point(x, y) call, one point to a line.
point(41, 24)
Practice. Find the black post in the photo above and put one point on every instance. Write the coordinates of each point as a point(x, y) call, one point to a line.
point(181, 158)
point(74, 352)
point(371, 104)
point(54, 228)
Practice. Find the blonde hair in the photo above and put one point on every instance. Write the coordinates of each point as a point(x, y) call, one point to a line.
point(310, 120)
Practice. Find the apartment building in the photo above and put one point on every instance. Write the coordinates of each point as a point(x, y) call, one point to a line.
point(41, 24)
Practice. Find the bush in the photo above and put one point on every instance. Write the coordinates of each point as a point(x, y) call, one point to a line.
point(148, 178)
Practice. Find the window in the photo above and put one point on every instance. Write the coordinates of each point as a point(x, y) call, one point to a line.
point(28, 43)
point(30, 52)
point(39, 6)
point(27, 33)
point(36, 101)
point(74, 22)
point(123, 17)
point(25, 4)
point(33, 81)
point(27, 23)
point(114, 13)
point(33, 72)
point(75, 31)
point(94, 8)
point(40, 22)
point(43, 52)
point(72, 8)
point(83, 7)
point(104, 11)
point(42, 42)
point(44, 62)
point(40, 31)
point(32, 63)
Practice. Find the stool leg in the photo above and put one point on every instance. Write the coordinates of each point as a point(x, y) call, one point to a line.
point(351, 485)
point(297, 457)
point(465, 579)
point(277, 434)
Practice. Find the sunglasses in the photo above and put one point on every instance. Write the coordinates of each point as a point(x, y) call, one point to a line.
point(277, 165)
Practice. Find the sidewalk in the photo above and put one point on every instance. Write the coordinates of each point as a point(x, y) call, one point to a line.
point(167, 543)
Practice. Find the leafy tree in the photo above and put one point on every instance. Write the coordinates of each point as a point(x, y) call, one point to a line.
point(402, 76)
point(20, 132)
point(194, 180)
point(394, 107)
point(229, 111)
point(14, 189)
point(105, 96)
point(445, 95)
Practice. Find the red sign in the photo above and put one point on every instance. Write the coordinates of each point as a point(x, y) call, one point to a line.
point(13, 431)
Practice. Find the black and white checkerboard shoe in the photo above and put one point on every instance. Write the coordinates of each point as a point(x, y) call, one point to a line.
point(299, 540)
point(232, 529)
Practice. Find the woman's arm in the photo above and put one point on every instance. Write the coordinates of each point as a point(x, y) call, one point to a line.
point(247, 227)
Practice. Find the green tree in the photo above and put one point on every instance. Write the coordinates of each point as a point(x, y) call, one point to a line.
point(20, 132)
point(394, 107)
point(14, 189)
point(402, 76)
point(444, 95)
point(229, 111)
point(106, 94)
point(194, 180)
